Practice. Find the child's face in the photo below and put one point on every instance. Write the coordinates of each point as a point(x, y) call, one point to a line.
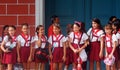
point(56, 20)
point(11, 31)
point(41, 30)
point(108, 31)
point(114, 27)
point(25, 29)
point(56, 30)
point(76, 28)
point(94, 25)
point(6, 31)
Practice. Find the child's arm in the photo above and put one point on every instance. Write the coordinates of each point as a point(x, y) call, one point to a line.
point(70, 45)
point(106, 54)
point(64, 51)
point(101, 47)
point(18, 51)
point(3, 48)
point(50, 52)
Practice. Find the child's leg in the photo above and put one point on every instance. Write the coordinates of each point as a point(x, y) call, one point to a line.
point(10, 67)
point(66, 67)
point(98, 65)
point(74, 66)
point(54, 66)
point(42, 66)
point(119, 65)
point(91, 65)
point(25, 65)
point(114, 67)
point(0, 66)
point(60, 66)
point(36, 66)
point(84, 64)
point(28, 65)
point(108, 67)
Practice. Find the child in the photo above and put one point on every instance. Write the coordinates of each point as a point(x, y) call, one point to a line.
point(57, 44)
point(68, 50)
point(40, 43)
point(96, 44)
point(4, 33)
point(115, 26)
point(24, 49)
point(77, 42)
point(110, 46)
point(9, 48)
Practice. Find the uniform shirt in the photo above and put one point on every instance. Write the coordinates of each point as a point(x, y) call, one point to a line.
point(23, 41)
point(93, 38)
point(109, 42)
point(8, 43)
point(56, 44)
point(43, 41)
point(118, 37)
point(76, 41)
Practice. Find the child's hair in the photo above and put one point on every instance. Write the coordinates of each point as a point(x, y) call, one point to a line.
point(80, 24)
point(25, 24)
point(69, 28)
point(53, 18)
point(108, 26)
point(6, 26)
point(111, 19)
point(97, 21)
point(38, 27)
point(58, 26)
point(9, 37)
point(116, 23)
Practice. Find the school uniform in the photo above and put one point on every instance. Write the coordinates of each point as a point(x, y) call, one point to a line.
point(57, 47)
point(25, 43)
point(109, 44)
point(118, 47)
point(10, 57)
point(77, 42)
point(95, 35)
point(69, 54)
point(43, 46)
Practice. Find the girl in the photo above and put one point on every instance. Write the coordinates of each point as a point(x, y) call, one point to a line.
point(110, 45)
point(115, 26)
point(4, 33)
point(40, 43)
point(24, 49)
point(96, 44)
point(9, 48)
point(57, 44)
point(77, 41)
point(68, 50)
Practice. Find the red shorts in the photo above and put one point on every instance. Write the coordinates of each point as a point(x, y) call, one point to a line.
point(57, 55)
point(94, 51)
point(10, 57)
point(24, 54)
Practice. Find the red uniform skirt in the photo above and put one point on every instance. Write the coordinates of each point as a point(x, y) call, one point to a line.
point(118, 50)
point(94, 51)
point(75, 55)
point(69, 55)
point(10, 57)
point(57, 55)
point(109, 50)
point(24, 54)
point(37, 60)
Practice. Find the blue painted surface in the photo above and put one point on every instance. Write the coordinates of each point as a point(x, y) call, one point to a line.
point(81, 10)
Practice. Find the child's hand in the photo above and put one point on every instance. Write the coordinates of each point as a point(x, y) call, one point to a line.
point(29, 59)
point(18, 59)
point(110, 56)
point(6, 50)
point(79, 49)
point(51, 57)
point(100, 55)
point(75, 50)
point(64, 58)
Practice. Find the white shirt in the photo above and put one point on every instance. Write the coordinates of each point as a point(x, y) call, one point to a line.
point(118, 37)
point(43, 44)
point(22, 41)
point(108, 42)
point(9, 43)
point(56, 44)
point(76, 41)
point(99, 34)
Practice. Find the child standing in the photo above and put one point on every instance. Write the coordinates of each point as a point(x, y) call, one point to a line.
point(57, 44)
point(77, 42)
point(8, 46)
point(40, 44)
point(110, 46)
point(96, 44)
point(24, 49)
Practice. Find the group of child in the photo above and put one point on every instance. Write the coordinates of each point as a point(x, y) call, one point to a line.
point(64, 50)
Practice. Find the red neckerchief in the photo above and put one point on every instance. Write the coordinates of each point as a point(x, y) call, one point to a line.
point(57, 37)
point(119, 31)
point(114, 32)
point(109, 39)
point(78, 34)
point(42, 38)
point(13, 38)
point(95, 31)
point(25, 37)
